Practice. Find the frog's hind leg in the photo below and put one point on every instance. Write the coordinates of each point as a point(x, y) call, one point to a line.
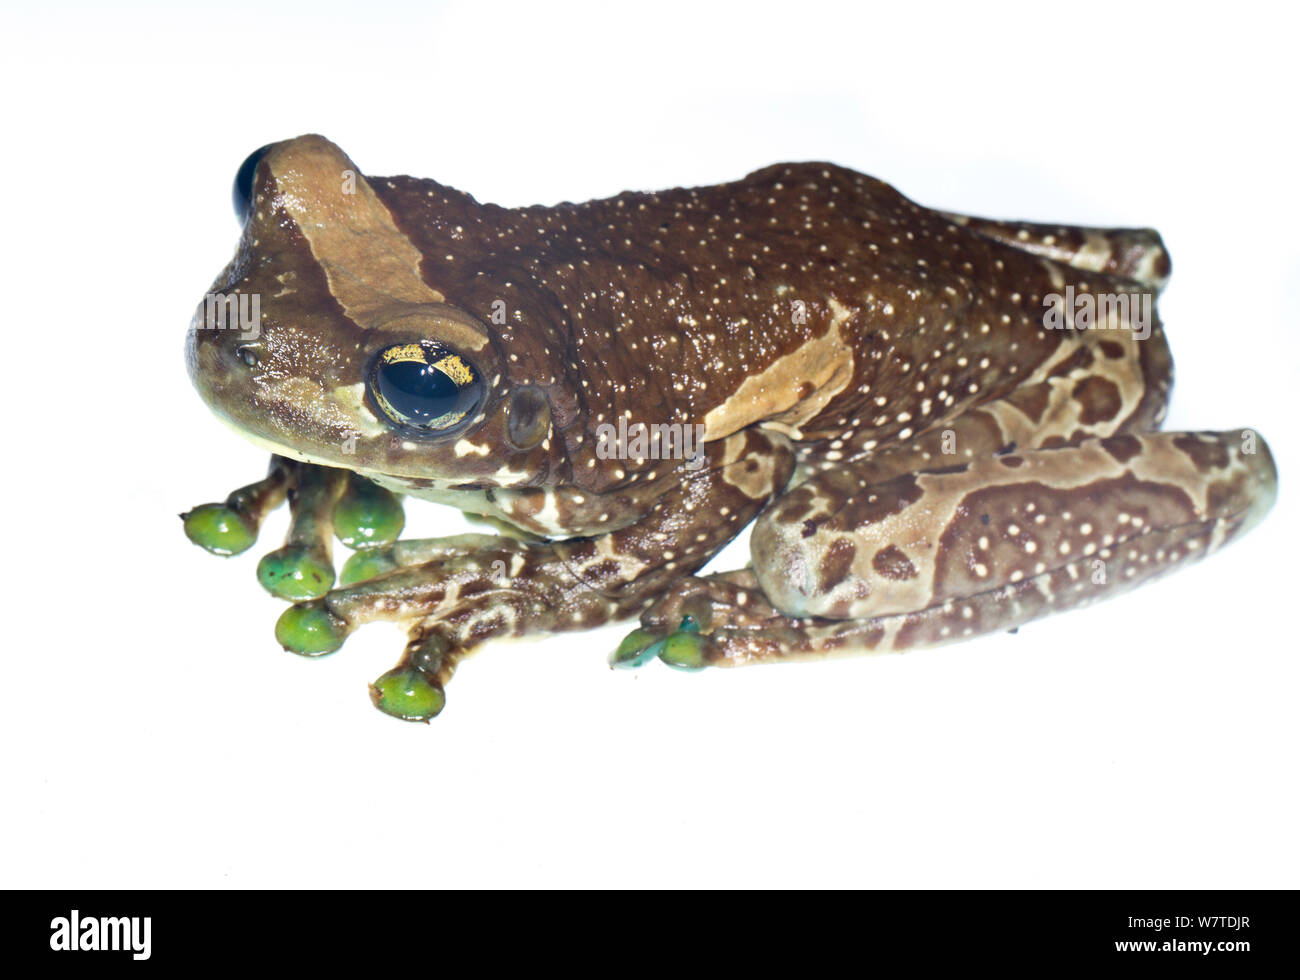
point(1132, 253)
point(935, 555)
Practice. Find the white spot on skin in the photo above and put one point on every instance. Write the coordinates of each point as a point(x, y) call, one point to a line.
point(506, 477)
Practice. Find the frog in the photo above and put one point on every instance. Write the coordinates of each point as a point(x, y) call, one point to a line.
point(929, 443)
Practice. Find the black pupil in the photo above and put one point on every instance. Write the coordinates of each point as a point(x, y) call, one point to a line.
point(242, 193)
point(418, 392)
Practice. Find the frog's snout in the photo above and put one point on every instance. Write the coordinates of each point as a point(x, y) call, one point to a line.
point(220, 359)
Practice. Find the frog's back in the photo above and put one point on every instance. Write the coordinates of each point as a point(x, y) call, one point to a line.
point(802, 295)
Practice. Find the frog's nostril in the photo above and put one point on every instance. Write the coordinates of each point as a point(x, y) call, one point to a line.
point(242, 194)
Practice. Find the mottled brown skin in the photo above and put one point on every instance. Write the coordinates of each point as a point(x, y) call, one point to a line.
point(878, 372)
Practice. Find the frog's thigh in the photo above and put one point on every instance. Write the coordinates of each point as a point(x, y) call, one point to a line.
point(937, 555)
point(1134, 253)
point(1091, 388)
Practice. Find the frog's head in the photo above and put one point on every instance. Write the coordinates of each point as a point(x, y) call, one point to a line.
point(323, 341)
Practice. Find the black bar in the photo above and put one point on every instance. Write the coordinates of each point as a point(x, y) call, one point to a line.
point(324, 929)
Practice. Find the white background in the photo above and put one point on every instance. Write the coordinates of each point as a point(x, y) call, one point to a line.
point(153, 733)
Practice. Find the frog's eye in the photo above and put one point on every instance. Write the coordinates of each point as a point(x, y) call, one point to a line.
point(242, 194)
point(425, 385)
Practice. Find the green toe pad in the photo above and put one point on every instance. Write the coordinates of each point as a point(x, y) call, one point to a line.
point(638, 647)
point(295, 572)
point(309, 630)
point(219, 529)
point(684, 650)
point(368, 516)
point(407, 694)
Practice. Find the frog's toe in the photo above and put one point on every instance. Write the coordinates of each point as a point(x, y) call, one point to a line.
point(368, 516)
point(309, 629)
point(368, 564)
point(220, 529)
point(408, 693)
point(231, 527)
point(638, 648)
point(296, 571)
point(685, 648)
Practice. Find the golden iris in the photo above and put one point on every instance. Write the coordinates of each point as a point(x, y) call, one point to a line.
point(424, 385)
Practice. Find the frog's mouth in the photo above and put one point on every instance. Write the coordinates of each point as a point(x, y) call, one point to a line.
point(417, 486)
point(473, 500)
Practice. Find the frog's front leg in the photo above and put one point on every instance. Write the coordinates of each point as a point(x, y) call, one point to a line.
point(939, 554)
point(499, 586)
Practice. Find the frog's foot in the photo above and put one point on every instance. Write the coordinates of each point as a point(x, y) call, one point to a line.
point(683, 647)
point(327, 503)
point(451, 594)
point(1134, 253)
point(414, 689)
point(405, 582)
point(324, 502)
point(726, 620)
point(688, 626)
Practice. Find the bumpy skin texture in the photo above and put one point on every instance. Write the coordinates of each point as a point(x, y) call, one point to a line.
point(874, 377)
